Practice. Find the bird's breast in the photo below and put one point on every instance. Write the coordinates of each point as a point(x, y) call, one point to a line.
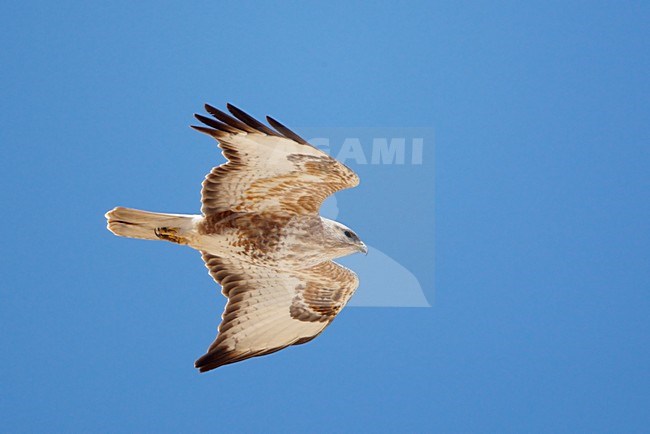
point(272, 239)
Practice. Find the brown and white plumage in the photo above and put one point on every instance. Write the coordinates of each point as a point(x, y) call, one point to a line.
point(269, 309)
point(267, 170)
point(261, 237)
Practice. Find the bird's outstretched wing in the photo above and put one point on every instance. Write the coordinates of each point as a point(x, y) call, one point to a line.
point(267, 169)
point(270, 309)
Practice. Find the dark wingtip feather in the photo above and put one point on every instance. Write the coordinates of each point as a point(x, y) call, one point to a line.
point(216, 124)
point(214, 359)
point(286, 132)
point(250, 121)
point(220, 357)
point(240, 122)
point(214, 111)
point(227, 119)
point(209, 131)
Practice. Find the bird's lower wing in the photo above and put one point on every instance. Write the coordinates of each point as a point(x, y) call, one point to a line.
point(270, 309)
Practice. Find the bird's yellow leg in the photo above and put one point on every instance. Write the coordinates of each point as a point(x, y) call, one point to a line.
point(170, 234)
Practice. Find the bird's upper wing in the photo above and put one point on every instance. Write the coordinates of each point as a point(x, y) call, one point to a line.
point(270, 309)
point(267, 169)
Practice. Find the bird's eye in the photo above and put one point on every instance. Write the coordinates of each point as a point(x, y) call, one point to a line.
point(348, 234)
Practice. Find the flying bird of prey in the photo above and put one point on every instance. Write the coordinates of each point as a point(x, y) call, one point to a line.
point(261, 236)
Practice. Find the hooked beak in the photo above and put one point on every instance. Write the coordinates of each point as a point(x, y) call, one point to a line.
point(363, 248)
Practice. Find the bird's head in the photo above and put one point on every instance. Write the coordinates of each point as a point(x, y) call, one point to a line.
point(343, 239)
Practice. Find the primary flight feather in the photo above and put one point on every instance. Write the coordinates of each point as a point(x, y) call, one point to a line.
point(261, 237)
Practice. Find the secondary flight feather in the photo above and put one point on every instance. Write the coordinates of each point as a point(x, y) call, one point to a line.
point(261, 237)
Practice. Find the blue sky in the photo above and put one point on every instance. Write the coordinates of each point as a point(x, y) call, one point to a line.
point(527, 226)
